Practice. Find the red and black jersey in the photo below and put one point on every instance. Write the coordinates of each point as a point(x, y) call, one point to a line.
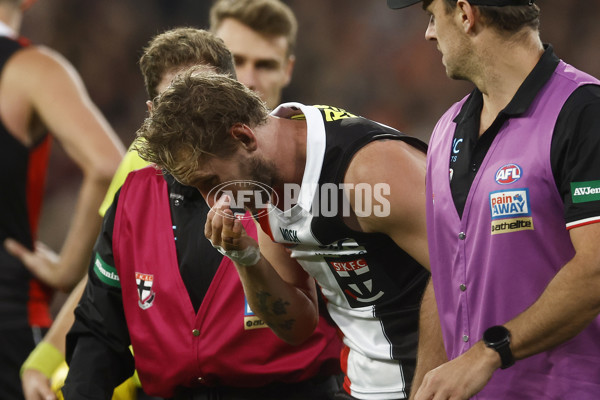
point(23, 300)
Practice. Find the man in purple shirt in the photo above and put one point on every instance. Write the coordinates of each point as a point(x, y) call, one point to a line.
point(513, 205)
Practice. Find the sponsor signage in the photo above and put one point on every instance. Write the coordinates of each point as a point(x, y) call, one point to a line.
point(251, 321)
point(106, 273)
point(510, 211)
point(509, 203)
point(582, 192)
point(512, 225)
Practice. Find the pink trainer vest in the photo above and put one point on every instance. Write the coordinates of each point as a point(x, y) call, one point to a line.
point(173, 345)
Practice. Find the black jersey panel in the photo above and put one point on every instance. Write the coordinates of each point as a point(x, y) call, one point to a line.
point(392, 271)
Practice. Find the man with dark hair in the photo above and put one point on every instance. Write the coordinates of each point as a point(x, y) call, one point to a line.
point(513, 205)
point(345, 218)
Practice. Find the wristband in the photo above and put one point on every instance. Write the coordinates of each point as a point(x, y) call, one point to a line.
point(246, 258)
point(44, 358)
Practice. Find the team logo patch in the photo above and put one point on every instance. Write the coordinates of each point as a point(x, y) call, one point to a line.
point(507, 174)
point(355, 279)
point(146, 295)
point(510, 211)
point(251, 321)
point(582, 192)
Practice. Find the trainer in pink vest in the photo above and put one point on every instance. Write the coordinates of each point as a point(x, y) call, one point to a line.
point(173, 345)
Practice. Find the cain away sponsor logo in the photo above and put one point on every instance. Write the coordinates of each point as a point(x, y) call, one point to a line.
point(582, 192)
point(509, 203)
point(510, 211)
point(507, 174)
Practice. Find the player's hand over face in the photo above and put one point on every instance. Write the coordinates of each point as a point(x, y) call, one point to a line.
point(461, 378)
point(224, 230)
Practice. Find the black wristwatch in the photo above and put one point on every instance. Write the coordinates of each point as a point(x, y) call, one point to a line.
point(498, 338)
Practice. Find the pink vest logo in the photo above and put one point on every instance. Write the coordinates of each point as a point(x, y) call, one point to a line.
point(146, 294)
point(509, 173)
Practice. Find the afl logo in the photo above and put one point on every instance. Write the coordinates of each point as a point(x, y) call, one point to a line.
point(245, 194)
point(509, 173)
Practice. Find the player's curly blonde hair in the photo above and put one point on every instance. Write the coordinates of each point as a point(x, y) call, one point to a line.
point(193, 118)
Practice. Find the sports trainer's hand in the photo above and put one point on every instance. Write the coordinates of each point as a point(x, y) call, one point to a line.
point(461, 378)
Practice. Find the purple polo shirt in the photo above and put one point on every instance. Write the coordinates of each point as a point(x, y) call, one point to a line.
point(495, 261)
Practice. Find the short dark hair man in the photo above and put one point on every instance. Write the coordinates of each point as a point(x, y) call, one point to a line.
point(513, 205)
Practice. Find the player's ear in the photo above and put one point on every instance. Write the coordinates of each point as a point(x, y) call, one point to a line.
point(149, 105)
point(245, 136)
point(467, 15)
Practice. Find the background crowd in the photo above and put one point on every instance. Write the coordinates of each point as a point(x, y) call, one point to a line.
point(357, 54)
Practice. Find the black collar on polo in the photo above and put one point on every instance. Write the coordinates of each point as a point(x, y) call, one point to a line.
point(395, 4)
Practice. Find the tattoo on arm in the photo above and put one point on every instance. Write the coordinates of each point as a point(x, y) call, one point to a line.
point(262, 297)
point(288, 324)
point(277, 308)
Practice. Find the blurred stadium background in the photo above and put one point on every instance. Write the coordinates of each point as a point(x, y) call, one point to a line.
point(354, 54)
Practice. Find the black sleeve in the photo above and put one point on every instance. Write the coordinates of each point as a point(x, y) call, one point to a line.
point(575, 154)
point(97, 347)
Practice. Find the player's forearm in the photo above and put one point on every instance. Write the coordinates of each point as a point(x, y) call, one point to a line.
point(84, 228)
point(569, 303)
point(431, 352)
point(289, 312)
point(64, 319)
point(50, 353)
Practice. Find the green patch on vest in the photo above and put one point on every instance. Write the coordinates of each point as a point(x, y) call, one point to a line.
point(582, 192)
point(106, 273)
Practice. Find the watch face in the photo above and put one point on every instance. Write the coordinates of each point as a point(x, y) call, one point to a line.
point(495, 334)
